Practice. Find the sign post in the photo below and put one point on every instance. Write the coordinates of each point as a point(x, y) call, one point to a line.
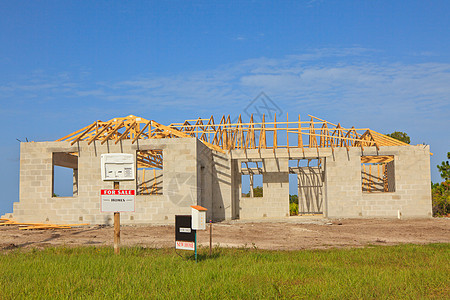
point(116, 232)
point(195, 252)
point(117, 167)
point(116, 224)
point(198, 222)
point(186, 229)
point(117, 201)
point(210, 237)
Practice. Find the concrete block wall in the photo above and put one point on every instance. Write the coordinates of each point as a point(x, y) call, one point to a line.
point(343, 183)
point(216, 181)
point(224, 172)
point(205, 178)
point(37, 204)
point(343, 187)
point(275, 200)
point(193, 174)
point(412, 195)
point(35, 183)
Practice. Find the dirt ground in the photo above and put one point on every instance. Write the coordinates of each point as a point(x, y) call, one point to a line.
point(290, 234)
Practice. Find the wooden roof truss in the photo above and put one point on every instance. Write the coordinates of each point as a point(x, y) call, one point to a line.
point(227, 135)
point(281, 134)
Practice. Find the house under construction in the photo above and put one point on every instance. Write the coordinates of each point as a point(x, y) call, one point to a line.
point(338, 172)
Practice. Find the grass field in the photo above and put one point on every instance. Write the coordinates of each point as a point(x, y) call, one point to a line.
point(406, 271)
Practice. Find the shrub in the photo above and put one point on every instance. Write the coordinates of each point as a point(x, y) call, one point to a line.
point(441, 199)
point(293, 209)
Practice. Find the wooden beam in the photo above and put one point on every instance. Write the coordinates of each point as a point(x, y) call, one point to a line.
point(287, 134)
point(100, 132)
point(126, 132)
point(65, 160)
point(376, 159)
point(141, 131)
point(84, 133)
point(275, 145)
point(113, 131)
point(70, 136)
point(178, 133)
point(228, 136)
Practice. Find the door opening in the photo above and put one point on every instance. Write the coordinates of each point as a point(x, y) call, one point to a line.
point(306, 182)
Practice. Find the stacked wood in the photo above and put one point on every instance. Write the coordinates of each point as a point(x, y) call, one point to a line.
point(27, 226)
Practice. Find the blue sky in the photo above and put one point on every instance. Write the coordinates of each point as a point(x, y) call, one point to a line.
point(378, 64)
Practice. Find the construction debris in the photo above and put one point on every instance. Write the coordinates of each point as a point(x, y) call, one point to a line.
point(26, 226)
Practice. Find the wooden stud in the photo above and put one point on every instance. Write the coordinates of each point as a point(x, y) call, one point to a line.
point(141, 131)
point(84, 133)
point(275, 142)
point(117, 127)
point(240, 135)
point(287, 134)
point(106, 126)
point(69, 137)
point(125, 132)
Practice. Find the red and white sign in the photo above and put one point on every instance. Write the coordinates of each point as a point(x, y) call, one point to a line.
point(184, 245)
point(117, 192)
point(117, 200)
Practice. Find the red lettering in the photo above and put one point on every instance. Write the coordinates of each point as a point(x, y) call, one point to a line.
point(117, 192)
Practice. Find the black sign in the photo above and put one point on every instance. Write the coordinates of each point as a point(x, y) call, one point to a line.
point(183, 230)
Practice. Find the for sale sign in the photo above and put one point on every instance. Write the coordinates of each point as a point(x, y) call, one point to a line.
point(117, 200)
point(185, 245)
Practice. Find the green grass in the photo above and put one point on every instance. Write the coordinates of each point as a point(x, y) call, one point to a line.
point(406, 271)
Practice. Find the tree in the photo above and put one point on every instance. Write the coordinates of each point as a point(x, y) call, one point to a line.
point(444, 168)
point(293, 205)
point(258, 191)
point(293, 199)
point(440, 191)
point(401, 136)
point(441, 199)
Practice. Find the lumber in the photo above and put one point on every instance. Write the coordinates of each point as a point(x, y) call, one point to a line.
point(228, 135)
point(26, 225)
point(44, 227)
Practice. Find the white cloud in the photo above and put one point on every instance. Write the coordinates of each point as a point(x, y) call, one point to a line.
point(350, 78)
point(354, 86)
